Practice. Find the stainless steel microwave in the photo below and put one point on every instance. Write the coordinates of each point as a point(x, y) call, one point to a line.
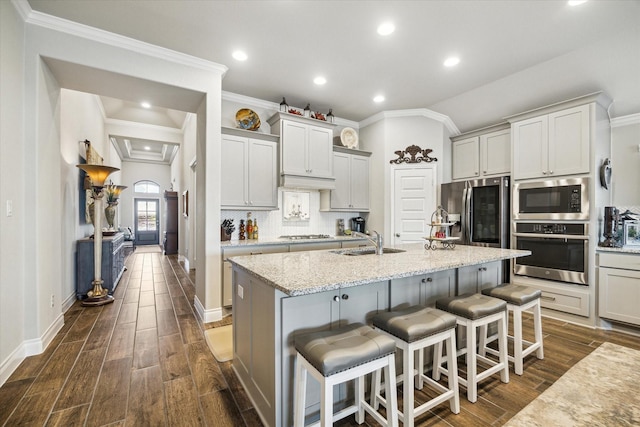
point(557, 199)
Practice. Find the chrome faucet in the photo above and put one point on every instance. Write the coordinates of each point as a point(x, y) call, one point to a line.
point(378, 241)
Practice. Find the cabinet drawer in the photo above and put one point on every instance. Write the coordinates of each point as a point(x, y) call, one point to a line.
point(624, 261)
point(253, 250)
point(573, 302)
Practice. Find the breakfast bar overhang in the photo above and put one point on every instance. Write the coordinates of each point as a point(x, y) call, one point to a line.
point(276, 296)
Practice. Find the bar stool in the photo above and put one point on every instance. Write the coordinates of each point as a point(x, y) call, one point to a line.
point(414, 329)
point(340, 355)
point(519, 298)
point(473, 311)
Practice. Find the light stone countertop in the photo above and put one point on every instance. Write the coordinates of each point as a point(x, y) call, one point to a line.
point(302, 273)
point(280, 241)
point(627, 250)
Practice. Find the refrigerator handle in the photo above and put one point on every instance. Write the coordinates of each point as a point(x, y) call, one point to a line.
point(463, 219)
point(467, 208)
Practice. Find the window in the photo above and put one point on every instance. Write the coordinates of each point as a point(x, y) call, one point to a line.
point(148, 187)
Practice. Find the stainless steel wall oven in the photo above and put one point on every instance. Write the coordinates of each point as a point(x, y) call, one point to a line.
point(559, 251)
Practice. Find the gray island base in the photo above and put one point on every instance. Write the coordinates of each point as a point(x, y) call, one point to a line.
point(277, 296)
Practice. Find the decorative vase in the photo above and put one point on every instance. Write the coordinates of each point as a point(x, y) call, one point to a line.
point(110, 214)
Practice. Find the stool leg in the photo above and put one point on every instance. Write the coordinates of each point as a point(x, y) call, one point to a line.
point(472, 368)
point(300, 381)
point(537, 324)
point(517, 340)
point(359, 388)
point(420, 369)
point(482, 345)
point(437, 361)
point(502, 342)
point(375, 389)
point(391, 392)
point(407, 388)
point(326, 404)
point(452, 365)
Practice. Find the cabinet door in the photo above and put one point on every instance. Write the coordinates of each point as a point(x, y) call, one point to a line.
point(438, 285)
point(294, 148)
point(360, 183)
point(530, 148)
point(263, 184)
point(405, 292)
point(320, 152)
point(341, 195)
point(495, 153)
point(619, 295)
point(466, 158)
point(569, 141)
point(234, 152)
point(359, 304)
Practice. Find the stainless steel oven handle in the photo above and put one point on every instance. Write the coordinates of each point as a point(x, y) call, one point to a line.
point(552, 236)
point(463, 219)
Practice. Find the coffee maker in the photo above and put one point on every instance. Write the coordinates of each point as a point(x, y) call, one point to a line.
point(611, 221)
point(357, 224)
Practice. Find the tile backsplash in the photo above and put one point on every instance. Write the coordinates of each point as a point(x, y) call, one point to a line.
point(271, 223)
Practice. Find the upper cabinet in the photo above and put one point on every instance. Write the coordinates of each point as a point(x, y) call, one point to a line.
point(482, 154)
point(553, 144)
point(306, 151)
point(249, 170)
point(351, 193)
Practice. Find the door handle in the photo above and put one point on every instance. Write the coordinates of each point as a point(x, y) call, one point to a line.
point(397, 234)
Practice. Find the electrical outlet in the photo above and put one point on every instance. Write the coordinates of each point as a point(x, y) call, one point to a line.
point(240, 292)
point(52, 300)
point(9, 208)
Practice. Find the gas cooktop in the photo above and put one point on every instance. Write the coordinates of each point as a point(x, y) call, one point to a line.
point(306, 236)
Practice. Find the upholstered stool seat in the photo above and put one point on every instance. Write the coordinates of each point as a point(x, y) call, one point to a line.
point(519, 298)
point(473, 311)
point(414, 329)
point(336, 356)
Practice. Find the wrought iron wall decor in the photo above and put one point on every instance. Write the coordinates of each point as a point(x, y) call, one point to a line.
point(413, 154)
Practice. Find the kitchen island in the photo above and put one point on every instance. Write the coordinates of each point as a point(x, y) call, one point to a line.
point(277, 296)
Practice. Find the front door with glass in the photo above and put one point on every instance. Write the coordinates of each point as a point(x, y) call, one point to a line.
point(147, 230)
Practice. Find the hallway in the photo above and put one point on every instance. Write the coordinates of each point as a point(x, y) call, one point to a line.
point(140, 361)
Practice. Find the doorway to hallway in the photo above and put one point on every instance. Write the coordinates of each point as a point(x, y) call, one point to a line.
point(147, 221)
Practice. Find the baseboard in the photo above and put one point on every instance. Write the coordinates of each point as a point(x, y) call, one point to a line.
point(29, 348)
point(68, 302)
point(207, 316)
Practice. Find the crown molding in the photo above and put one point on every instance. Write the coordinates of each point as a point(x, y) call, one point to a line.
point(90, 33)
point(146, 126)
point(631, 119)
point(416, 112)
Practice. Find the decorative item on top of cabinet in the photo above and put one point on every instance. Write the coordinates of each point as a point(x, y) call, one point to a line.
point(351, 169)
point(482, 153)
point(249, 168)
point(416, 155)
point(560, 139)
point(247, 119)
point(306, 155)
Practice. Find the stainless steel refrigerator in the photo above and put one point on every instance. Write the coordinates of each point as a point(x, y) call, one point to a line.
point(481, 211)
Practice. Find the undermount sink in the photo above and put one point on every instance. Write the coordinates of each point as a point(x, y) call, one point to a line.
point(368, 251)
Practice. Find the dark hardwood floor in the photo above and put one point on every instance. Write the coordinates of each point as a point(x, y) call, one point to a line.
point(143, 361)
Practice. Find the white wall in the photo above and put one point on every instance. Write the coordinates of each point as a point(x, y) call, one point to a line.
point(13, 260)
point(625, 162)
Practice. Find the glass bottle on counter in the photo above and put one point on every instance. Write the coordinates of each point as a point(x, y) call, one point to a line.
point(255, 229)
point(249, 226)
point(241, 232)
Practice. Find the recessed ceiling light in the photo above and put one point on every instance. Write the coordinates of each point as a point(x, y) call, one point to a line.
point(319, 80)
point(378, 98)
point(386, 28)
point(145, 104)
point(451, 61)
point(576, 2)
point(146, 147)
point(239, 55)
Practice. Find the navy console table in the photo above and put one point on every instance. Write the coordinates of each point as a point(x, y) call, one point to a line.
point(112, 263)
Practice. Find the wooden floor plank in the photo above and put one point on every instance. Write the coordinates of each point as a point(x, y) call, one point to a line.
point(145, 351)
point(71, 417)
point(146, 401)
point(173, 358)
point(122, 341)
point(207, 375)
point(58, 367)
point(33, 410)
point(79, 387)
point(181, 399)
point(220, 409)
point(109, 402)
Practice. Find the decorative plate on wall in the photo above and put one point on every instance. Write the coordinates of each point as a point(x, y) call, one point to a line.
point(247, 119)
point(349, 138)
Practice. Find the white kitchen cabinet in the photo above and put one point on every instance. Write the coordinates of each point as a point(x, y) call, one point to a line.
point(619, 287)
point(249, 172)
point(482, 154)
point(351, 193)
point(305, 150)
point(475, 278)
point(551, 145)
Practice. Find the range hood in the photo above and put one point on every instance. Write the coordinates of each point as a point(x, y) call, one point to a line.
point(307, 182)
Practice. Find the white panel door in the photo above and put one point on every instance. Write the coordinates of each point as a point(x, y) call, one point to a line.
point(414, 200)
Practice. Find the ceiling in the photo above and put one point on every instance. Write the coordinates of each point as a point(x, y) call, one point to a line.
point(515, 55)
